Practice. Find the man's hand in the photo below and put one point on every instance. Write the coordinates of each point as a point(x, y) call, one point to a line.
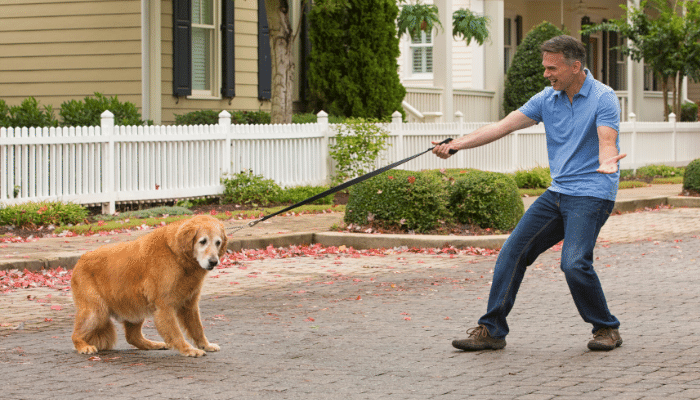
point(443, 150)
point(609, 166)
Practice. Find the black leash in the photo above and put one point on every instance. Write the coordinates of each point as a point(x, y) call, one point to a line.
point(339, 187)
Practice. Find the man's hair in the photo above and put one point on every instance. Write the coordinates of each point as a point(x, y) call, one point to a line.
point(570, 47)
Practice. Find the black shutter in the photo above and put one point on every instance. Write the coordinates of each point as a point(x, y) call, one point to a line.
point(518, 29)
point(182, 47)
point(228, 67)
point(264, 61)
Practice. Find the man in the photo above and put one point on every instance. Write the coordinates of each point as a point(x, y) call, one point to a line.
point(581, 118)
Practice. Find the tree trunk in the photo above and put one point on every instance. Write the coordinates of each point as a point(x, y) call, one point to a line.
point(664, 94)
point(281, 42)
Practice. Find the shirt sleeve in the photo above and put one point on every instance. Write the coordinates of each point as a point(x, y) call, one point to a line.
point(533, 108)
point(608, 111)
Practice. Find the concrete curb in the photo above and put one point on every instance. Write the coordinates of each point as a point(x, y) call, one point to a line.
point(358, 240)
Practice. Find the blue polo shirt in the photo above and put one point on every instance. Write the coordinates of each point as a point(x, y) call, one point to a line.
point(572, 136)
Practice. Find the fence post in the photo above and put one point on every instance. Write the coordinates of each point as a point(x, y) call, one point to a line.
point(515, 150)
point(225, 128)
point(632, 117)
point(397, 126)
point(108, 160)
point(672, 120)
point(327, 162)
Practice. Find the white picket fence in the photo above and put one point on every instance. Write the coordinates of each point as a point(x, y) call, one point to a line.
point(111, 164)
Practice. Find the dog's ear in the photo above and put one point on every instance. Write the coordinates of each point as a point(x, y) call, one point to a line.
point(224, 238)
point(185, 237)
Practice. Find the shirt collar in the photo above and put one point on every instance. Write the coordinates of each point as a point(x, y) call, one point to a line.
point(585, 88)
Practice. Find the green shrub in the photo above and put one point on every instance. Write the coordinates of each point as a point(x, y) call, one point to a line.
point(525, 77)
point(246, 188)
point(353, 60)
point(250, 117)
point(88, 111)
point(42, 213)
point(4, 114)
point(413, 200)
point(689, 112)
point(149, 213)
point(358, 143)
point(658, 170)
point(538, 177)
point(296, 194)
point(28, 114)
point(306, 118)
point(691, 178)
point(486, 199)
point(202, 117)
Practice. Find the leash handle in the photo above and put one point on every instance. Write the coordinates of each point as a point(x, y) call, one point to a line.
point(448, 140)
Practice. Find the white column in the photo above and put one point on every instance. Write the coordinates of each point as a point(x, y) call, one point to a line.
point(635, 79)
point(493, 54)
point(442, 56)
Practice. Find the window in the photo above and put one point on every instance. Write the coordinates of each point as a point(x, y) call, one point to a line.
point(512, 35)
point(204, 39)
point(203, 48)
point(422, 53)
point(508, 43)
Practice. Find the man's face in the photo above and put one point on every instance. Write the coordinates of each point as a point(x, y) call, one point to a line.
point(556, 69)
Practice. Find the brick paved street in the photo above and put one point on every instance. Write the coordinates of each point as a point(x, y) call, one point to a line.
point(385, 332)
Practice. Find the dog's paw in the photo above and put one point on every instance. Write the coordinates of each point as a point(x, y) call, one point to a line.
point(212, 347)
point(192, 352)
point(159, 346)
point(87, 350)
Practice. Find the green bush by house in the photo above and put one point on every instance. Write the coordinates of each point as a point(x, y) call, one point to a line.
point(28, 114)
point(88, 111)
point(525, 77)
point(354, 50)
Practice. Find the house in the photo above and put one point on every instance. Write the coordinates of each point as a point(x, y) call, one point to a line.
point(474, 84)
point(171, 57)
point(166, 56)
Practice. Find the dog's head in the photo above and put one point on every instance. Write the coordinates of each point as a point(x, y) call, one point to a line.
point(204, 238)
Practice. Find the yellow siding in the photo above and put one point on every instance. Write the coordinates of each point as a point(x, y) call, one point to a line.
point(58, 50)
point(246, 43)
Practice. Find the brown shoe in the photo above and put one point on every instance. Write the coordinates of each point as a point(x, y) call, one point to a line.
point(479, 339)
point(605, 339)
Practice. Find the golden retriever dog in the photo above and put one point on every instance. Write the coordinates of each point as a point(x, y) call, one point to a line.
point(160, 275)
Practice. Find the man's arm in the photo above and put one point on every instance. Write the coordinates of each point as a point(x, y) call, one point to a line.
point(486, 134)
point(607, 150)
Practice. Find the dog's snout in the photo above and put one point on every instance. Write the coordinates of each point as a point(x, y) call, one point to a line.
point(213, 262)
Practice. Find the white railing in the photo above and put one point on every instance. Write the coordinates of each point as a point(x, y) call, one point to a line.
point(424, 104)
point(117, 164)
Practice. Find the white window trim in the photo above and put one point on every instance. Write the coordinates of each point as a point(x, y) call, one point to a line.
point(215, 73)
point(513, 35)
point(409, 61)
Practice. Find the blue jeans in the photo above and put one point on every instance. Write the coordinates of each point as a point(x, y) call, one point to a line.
point(553, 217)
